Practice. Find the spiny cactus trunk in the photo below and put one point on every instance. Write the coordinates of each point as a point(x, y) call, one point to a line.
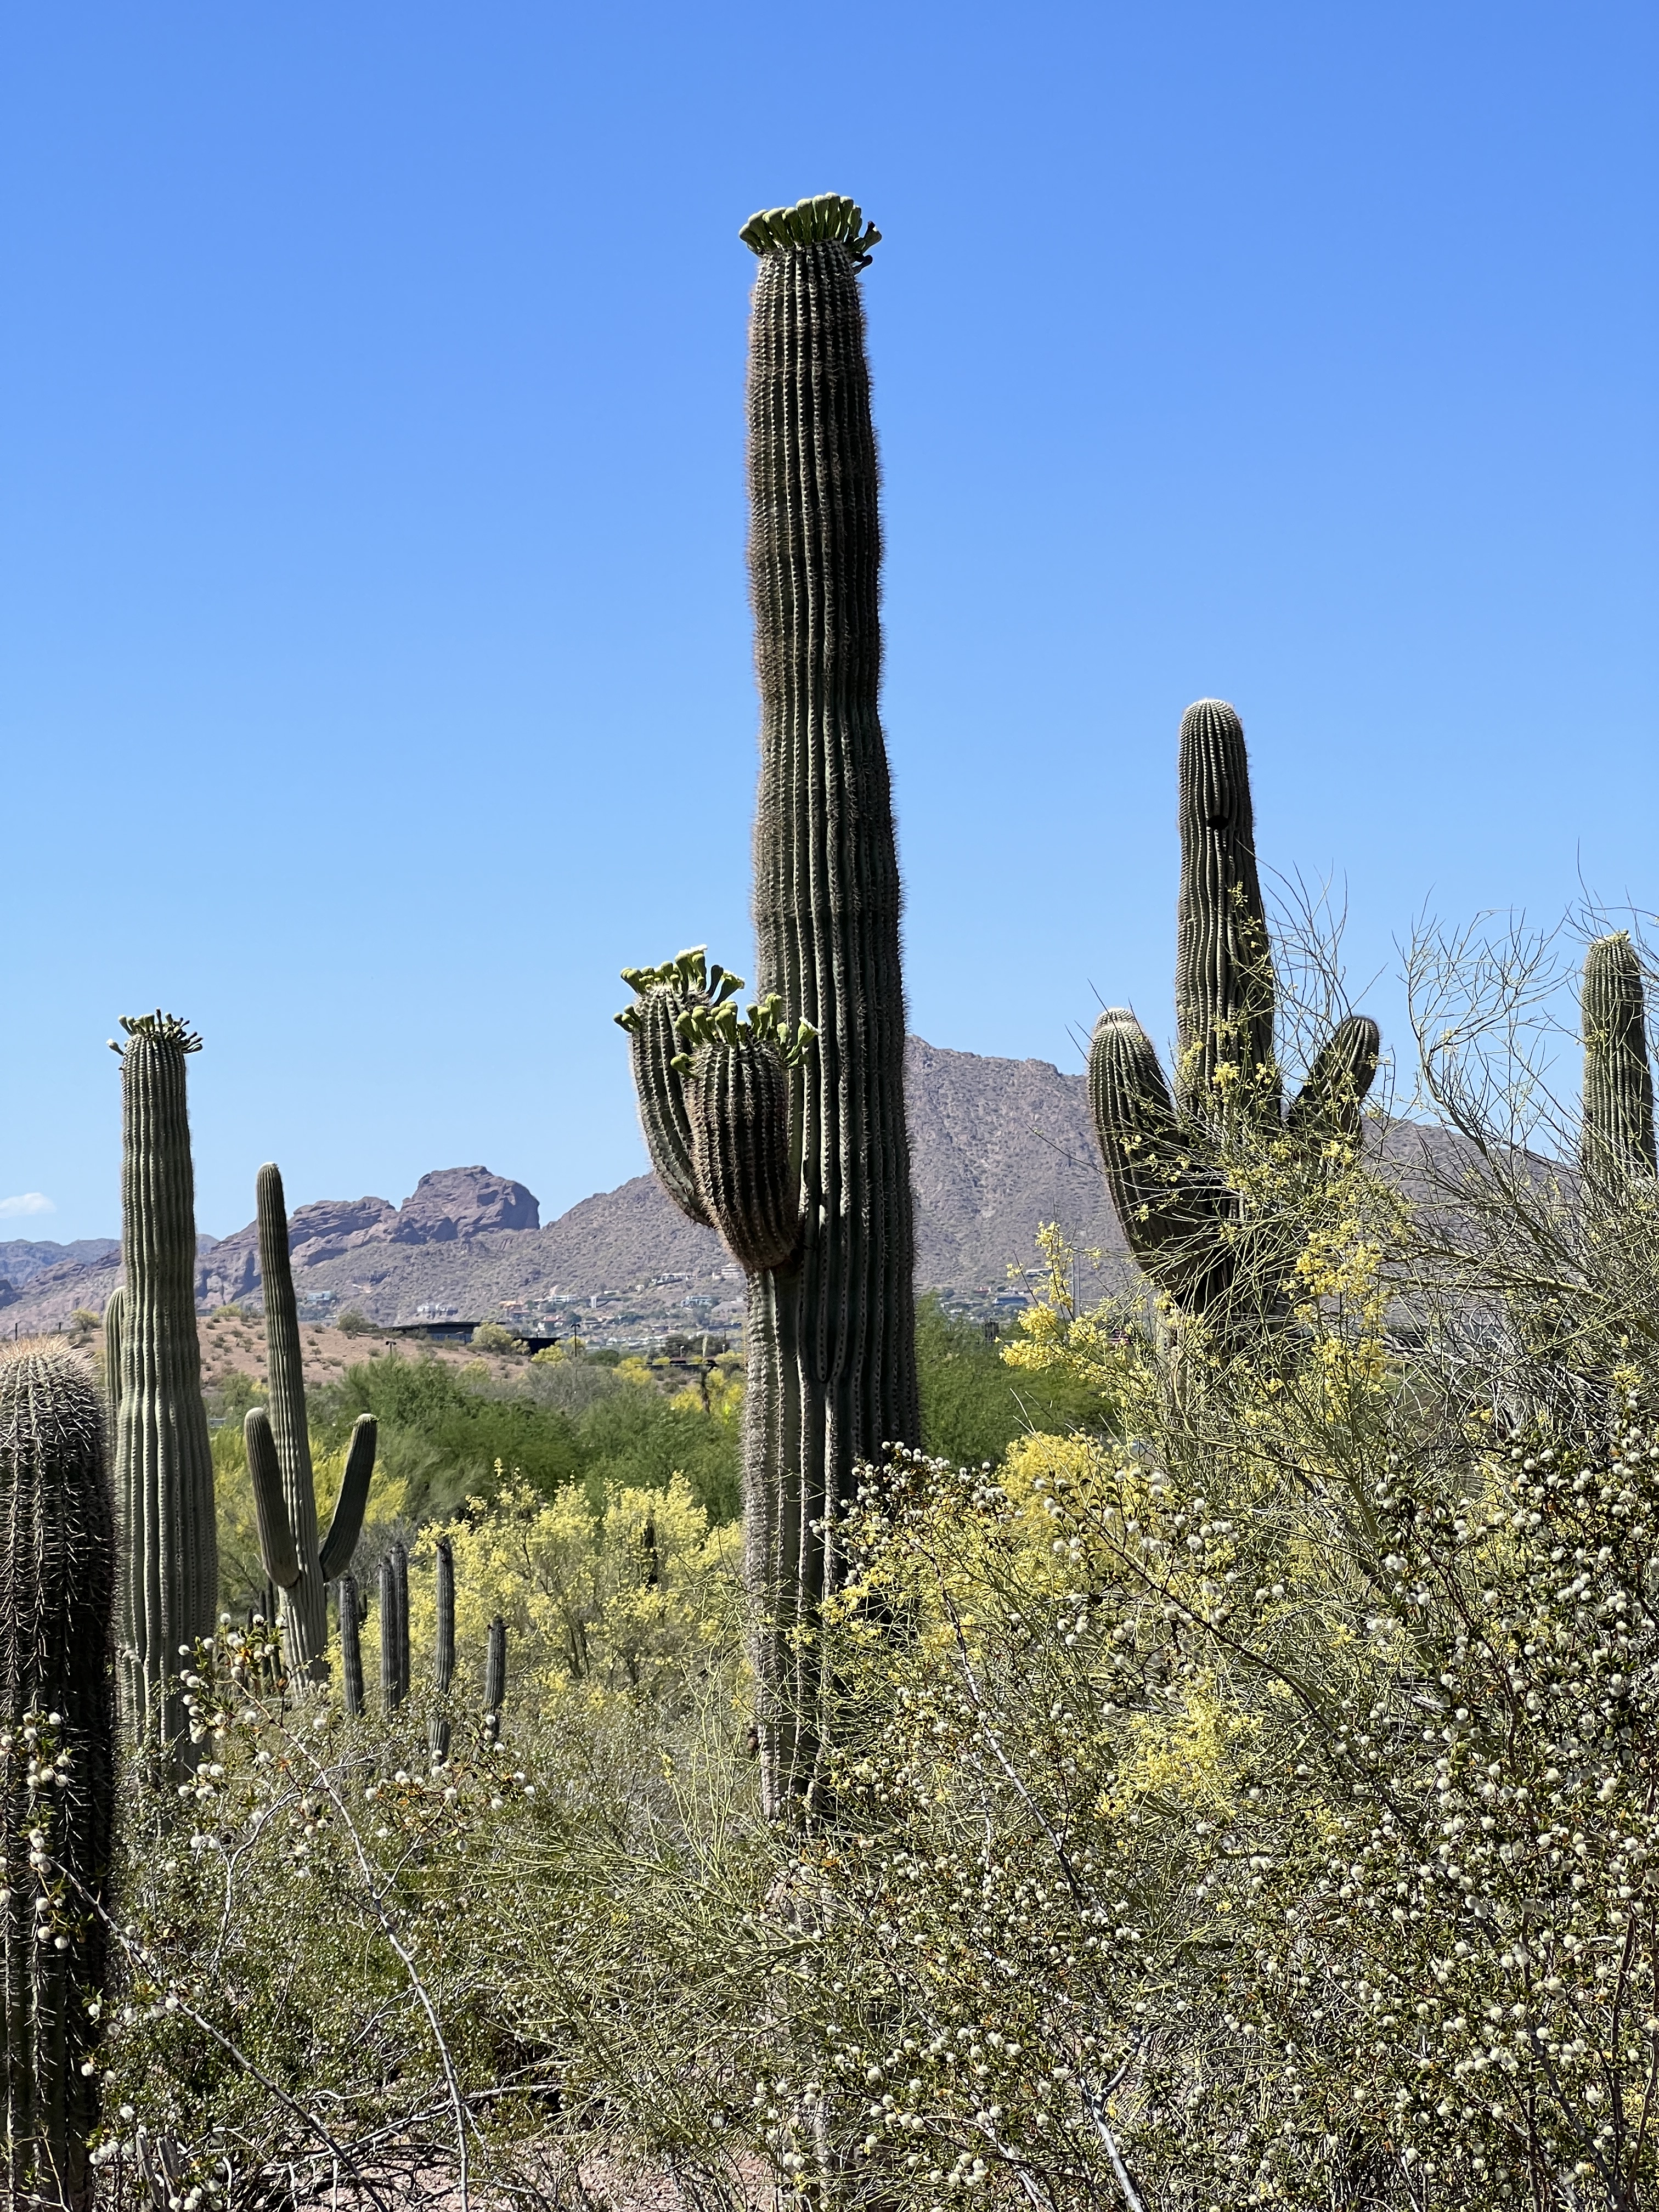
point(832, 1377)
point(443, 1648)
point(56, 1600)
point(1224, 969)
point(494, 1677)
point(305, 1601)
point(164, 1465)
point(351, 1650)
point(1617, 1139)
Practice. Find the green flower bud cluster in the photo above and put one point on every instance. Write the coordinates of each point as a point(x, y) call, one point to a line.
point(832, 216)
point(688, 976)
point(719, 1024)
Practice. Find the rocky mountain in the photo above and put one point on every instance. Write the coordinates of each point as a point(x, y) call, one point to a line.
point(998, 1146)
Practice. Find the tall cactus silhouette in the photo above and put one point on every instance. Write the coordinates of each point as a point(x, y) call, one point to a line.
point(57, 1745)
point(1165, 1157)
point(163, 1464)
point(288, 1516)
point(1616, 1140)
point(787, 1129)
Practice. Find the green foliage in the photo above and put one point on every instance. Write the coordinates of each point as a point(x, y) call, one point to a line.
point(974, 1405)
point(490, 1336)
point(352, 1322)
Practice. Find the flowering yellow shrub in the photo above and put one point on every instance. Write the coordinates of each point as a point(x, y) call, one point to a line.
point(627, 1600)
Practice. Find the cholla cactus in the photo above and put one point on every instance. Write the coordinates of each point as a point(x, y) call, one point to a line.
point(57, 1749)
point(1185, 1220)
point(786, 1131)
point(163, 1462)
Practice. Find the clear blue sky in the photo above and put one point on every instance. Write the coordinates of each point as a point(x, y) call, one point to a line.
point(374, 671)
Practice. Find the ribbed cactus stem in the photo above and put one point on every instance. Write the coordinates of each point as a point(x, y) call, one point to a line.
point(304, 1599)
point(114, 1324)
point(351, 1650)
point(832, 1379)
point(654, 1044)
point(738, 1099)
point(1616, 1141)
point(58, 1574)
point(1224, 969)
point(271, 1521)
point(1331, 1103)
point(1171, 1203)
point(164, 1464)
point(390, 1691)
point(443, 1647)
point(494, 1677)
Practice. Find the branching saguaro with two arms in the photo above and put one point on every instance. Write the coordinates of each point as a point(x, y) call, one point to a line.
point(279, 1460)
point(1186, 1220)
point(163, 1462)
point(786, 1129)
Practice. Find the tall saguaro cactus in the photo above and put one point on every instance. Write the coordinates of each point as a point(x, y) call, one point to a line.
point(1616, 1141)
point(298, 1564)
point(163, 1464)
point(1166, 1156)
point(58, 1748)
point(787, 1130)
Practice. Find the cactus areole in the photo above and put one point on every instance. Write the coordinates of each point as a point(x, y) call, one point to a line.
point(163, 1462)
point(816, 1074)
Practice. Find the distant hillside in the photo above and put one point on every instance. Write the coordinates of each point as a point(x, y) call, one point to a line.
point(998, 1146)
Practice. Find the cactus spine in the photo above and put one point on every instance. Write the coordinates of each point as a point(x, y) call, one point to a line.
point(290, 1518)
point(57, 1599)
point(1165, 1157)
point(815, 1079)
point(163, 1464)
point(1616, 1140)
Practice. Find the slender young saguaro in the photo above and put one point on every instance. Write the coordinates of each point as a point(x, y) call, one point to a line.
point(1616, 1141)
point(305, 1592)
point(56, 1600)
point(789, 1133)
point(163, 1464)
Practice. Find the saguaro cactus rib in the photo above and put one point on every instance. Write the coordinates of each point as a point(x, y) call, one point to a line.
point(57, 1574)
point(815, 1203)
point(1166, 1158)
point(1616, 1142)
point(305, 1592)
point(164, 1465)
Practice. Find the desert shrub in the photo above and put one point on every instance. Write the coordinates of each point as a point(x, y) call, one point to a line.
point(974, 1405)
point(490, 1336)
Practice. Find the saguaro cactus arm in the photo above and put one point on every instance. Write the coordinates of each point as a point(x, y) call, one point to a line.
point(664, 995)
point(1332, 1100)
point(1617, 1136)
point(1171, 1197)
point(277, 1550)
point(347, 1524)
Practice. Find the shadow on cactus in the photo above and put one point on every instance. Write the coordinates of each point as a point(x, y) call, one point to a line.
point(1178, 1164)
